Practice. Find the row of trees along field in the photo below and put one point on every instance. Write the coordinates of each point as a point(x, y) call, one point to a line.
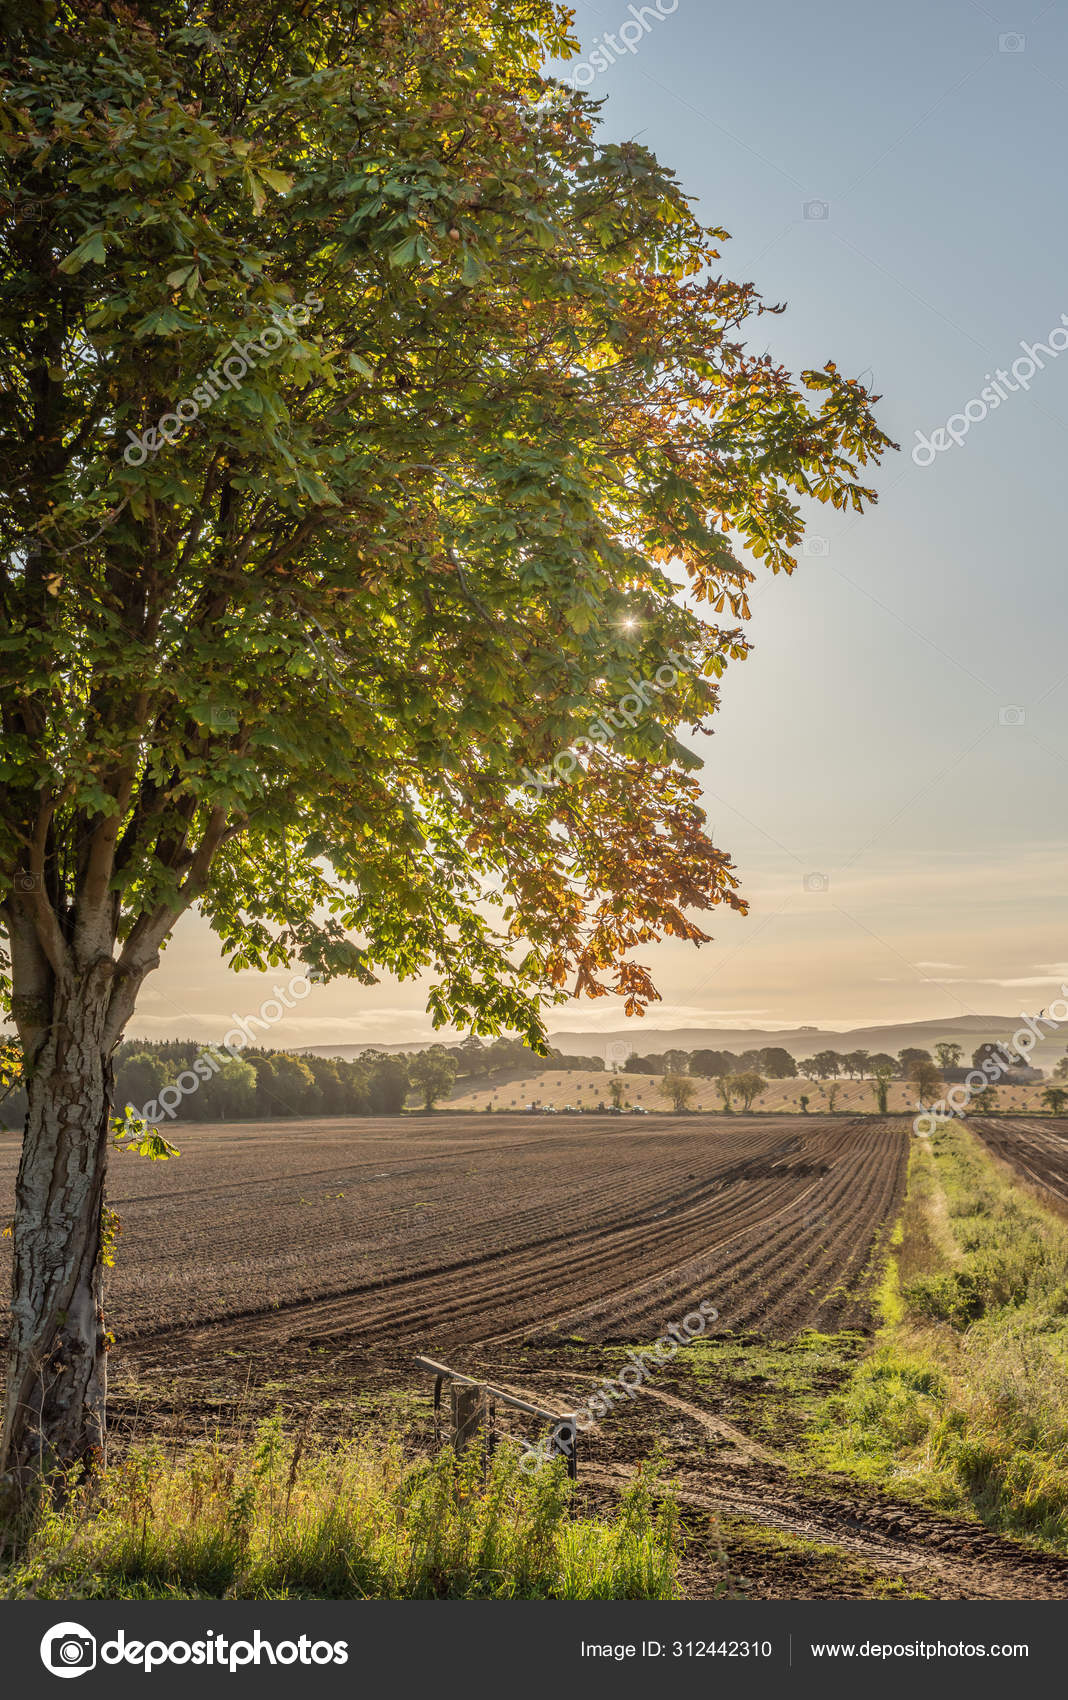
point(747, 1076)
point(266, 1083)
point(777, 1064)
point(263, 1083)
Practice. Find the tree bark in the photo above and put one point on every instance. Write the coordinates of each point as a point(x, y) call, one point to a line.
point(57, 1367)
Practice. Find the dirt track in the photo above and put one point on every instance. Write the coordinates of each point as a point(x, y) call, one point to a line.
point(726, 1484)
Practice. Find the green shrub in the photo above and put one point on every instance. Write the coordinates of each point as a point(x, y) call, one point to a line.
point(953, 1297)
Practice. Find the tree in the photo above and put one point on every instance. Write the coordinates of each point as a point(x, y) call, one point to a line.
point(926, 1079)
point(262, 1064)
point(709, 1065)
point(948, 1054)
point(292, 1086)
point(387, 1082)
point(986, 1101)
point(997, 1059)
point(138, 1080)
point(434, 1073)
point(680, 1089)
point(330, 1085)
point(725, 1085)
point(471, 1058)
point(351, 423)
point(777, 1064)
point(804, 1103)
point(749, 1086)
point(883, 1073)
point(827, 1065)
point(810, 1068)
point(676, 1062)
point(882, 1060)
point(1055, 1098)
point(832, 1093)
point(910, 1057)
point(638, 1065)
point(233, 1089)
point(856, 1064)
point(12, 1075)
point(1061, 1070)
point(617, 1092)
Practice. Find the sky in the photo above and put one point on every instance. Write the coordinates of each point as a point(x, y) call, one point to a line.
point(890, 766)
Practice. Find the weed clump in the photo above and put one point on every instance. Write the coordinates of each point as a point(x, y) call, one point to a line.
point(357, 1521)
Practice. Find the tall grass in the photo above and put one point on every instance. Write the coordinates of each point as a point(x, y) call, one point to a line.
point(355, 1522)
point(965, 1398)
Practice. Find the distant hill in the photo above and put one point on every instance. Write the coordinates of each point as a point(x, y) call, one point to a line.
point(968, 1030)
point(350, 1051)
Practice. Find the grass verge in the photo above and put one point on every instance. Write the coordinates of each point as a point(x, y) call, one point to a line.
point(964, 1400)
point(356, 1522)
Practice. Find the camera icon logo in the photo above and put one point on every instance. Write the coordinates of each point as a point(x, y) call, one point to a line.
point(1011, 715)
point(68, 1650)
point(617, 1051)
point(25, 881)
point(1012, 43)
point(535, 112)
point(816, 209)
point(221, 719)
point(817, 547)
point(816, 882)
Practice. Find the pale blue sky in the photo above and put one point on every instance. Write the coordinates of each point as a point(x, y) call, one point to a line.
point(866, 738)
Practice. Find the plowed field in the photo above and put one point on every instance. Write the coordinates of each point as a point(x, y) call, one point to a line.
point(302, 1265)
point(1037, 1150)
point(447, 1230)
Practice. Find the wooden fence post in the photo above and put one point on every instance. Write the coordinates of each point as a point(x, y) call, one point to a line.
point(468, 1414)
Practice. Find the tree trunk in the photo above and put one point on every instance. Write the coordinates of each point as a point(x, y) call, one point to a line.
point(57, 1367)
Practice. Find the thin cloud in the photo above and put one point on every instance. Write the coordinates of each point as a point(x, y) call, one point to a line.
point(1018, 980)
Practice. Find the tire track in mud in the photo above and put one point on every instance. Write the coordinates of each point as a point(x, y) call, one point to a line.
point(722, 1472)
point(900, 1539)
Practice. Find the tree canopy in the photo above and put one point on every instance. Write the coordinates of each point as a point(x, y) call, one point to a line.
point(358, 435)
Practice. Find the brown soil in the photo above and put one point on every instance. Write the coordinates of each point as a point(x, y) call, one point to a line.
point(1036, 1150)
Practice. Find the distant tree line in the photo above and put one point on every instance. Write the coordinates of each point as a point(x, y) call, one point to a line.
point(260, 1084)
point(775, 1063)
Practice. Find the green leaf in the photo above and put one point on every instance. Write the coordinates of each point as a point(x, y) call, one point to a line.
point(90, 248)
point(473, 270)
point(279, 180)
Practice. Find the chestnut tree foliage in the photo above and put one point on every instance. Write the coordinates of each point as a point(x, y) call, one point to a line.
point(363, 414)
